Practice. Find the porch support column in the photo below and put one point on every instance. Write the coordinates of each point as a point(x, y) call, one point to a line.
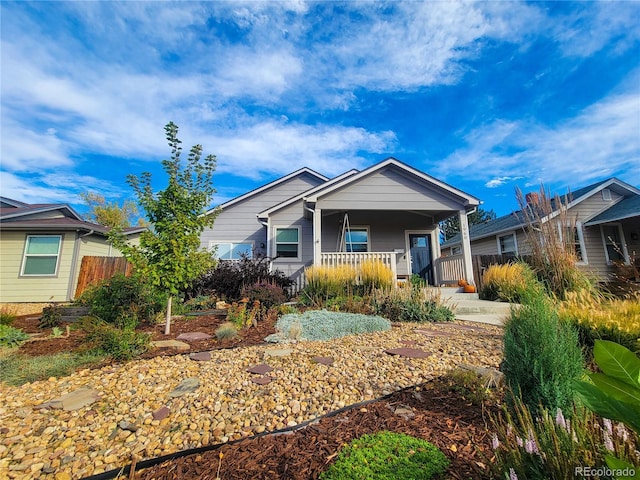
point(466, 247)
point(317, 235)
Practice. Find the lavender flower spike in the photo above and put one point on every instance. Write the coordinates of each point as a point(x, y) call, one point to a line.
point(512, 474)
point(560, 419)
point(495, 443)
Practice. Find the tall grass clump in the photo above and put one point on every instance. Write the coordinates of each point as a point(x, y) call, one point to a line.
point(541, 355)
point(602, 317)
point(375, 274)
point(507, 282)
point(324, 282)
point(552, 243)
point(548, 445)
point(7, 315)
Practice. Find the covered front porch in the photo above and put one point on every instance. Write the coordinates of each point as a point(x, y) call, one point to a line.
point(406, 242)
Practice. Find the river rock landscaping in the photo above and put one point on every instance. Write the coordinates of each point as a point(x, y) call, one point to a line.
point(156, 406)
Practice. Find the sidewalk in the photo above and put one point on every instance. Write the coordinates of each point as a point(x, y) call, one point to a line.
point(468, 307)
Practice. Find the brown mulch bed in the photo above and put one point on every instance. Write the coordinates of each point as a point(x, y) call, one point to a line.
point(201, 323)
point(438, 415)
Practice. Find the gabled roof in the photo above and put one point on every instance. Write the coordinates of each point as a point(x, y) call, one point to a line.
point(627, 207)
point(11, 202)
point(469, 199)
point(307, 193)
point(17, 218)
point(268, 186)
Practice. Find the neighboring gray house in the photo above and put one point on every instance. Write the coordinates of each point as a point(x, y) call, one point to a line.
point(607, 228)
point(389, 211)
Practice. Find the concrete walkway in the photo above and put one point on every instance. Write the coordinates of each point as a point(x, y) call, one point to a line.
point(468, 307)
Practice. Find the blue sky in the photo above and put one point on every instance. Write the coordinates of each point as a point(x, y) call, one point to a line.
point(484, 96)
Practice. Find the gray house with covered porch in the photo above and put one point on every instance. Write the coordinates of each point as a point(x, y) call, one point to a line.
point(387, 212)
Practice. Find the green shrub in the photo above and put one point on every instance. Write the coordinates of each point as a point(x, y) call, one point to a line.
point(267, 294)
point(468, 385)
point(7, 316)
point(410, 304)
point(12, 337)
point(51, 316)
point(325, 325)
point(226, 331)
point(117, 343)
point(541, 355)
point(547, 446)
point(200, 303)
point(124, 301)
point(387, 456)
point(350, 304)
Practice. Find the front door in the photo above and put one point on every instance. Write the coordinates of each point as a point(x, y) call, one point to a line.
point(420, 250)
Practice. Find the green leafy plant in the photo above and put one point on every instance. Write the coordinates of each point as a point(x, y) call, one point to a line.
point(226, 331)
point(541, 355)
point(615, 392)
point(387, 456)
point(51, 316)
point(56, 332)
point(12, 337)
point(119, 344)
point(124, 301)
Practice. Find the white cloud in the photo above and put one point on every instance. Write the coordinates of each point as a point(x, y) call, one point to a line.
point(600, 141)
point(499, 181)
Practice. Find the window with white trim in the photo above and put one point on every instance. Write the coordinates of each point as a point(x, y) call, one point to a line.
point(356, 239)
point(231, 250)
point(287, 242)
point(507, 244)
point(612, 243)
point(573, 237)
point(41, 255)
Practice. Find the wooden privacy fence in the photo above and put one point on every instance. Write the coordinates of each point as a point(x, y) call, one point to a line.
point(95, 269)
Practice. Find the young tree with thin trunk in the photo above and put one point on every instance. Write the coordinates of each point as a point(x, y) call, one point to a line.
point(169, 254)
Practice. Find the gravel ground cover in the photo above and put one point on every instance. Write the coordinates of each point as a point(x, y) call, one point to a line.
point(227, 404)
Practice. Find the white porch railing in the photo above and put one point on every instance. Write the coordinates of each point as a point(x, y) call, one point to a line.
point(449, 269)
point(354, 259)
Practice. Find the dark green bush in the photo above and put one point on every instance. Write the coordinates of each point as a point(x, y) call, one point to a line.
point(541, 355)
point(387, 456)
point(117, 343)
point(51, 316)
point(124, 301)
point(229, 277)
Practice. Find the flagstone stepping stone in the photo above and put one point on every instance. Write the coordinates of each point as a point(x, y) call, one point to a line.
point(408, 352)
point(167, 344)
point(162, 413)
point(323, 360)
point(74, 400)
point(262, 380)
point(201, 356)
point(188, 385)
point(260, 369)
point(278, 352)
point(193, 336)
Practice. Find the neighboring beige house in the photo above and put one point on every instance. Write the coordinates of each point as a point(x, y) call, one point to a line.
point(387, 212)
point(607, 228)
point(41, 248)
